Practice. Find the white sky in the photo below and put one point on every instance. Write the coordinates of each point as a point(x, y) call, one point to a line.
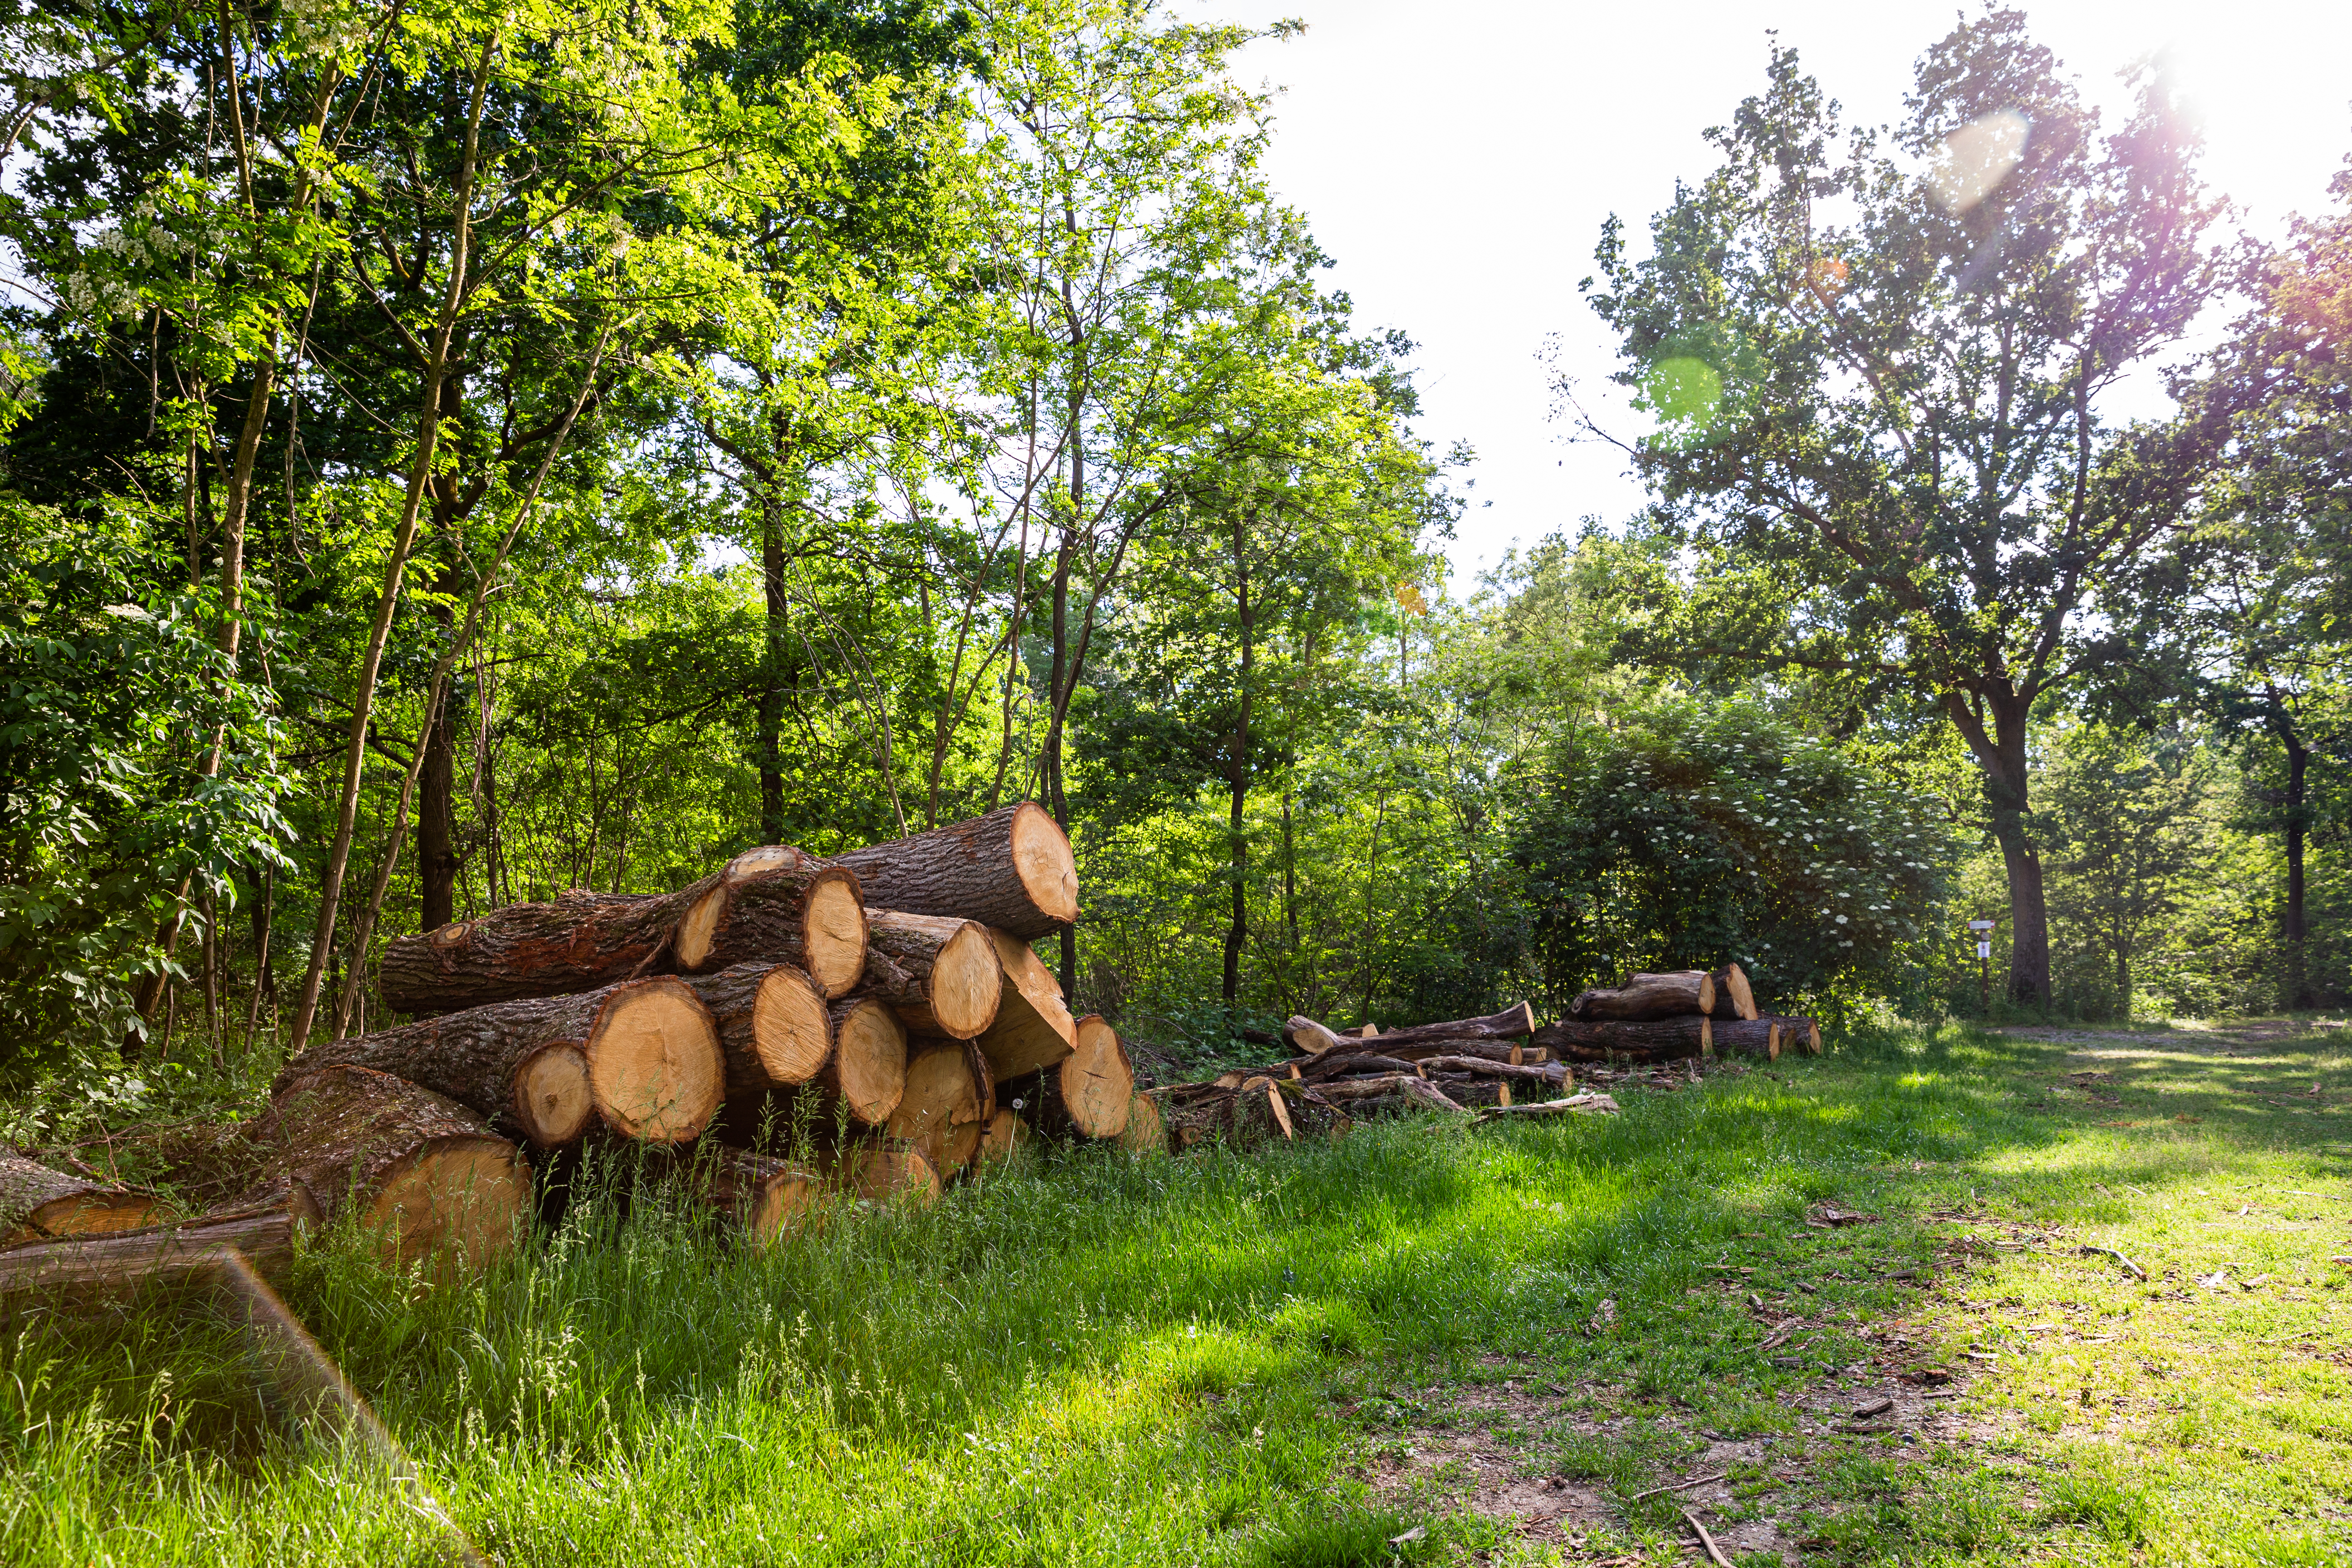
point(1458, 160)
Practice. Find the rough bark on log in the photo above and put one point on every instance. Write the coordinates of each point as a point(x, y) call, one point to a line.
point(1033, 1029)
point(883, 1171)
point(766, 1197)
point(1479, 1067)
point(1798, 1033)
point(778, 903)
point(37, 1203)
point(772, 1026)
point(1574, 1105)
point(1405, 1089)
point(111, 1262)
point(1512, 1022)
point(941, 973)
point(949, 1100)
point(1486, 1050)
point(1683, 992)
point(1011, 868)
point(1661, 1039)
point(1089, 1092)
point(643, 1057)
point(1733, 996)
point(1748, 1037)
point(1335, 1064)
point(424, 1176)
point(1472, 1093)
point(1147, 1131)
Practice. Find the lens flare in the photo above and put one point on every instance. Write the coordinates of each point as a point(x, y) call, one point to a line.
point(1977, 158)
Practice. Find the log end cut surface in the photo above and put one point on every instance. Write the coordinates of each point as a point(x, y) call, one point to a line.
point(789, 1027)
point(943, 1105)
point(654, 1066)
point(880, 1173)
point(552, 1102)
point(785, 1201)
point(869, 1071)
point(836, 933)
point(458, 1200)
point(1098, 1082)
point(1004, 1134)
point(1147, 1130)
point(967, 984)
point(1042, 859)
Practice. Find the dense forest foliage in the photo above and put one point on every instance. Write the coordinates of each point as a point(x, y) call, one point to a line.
point(452, 454)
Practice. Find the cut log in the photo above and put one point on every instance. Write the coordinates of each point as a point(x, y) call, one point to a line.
point(1574, 1105)
point(1409, 1052)
point(1089, 1092)
point(883, 1171)
point(1683, 992)
point(1147, 1131)
point(37, 1203)
point(1749, 1037)
point(1510, 1024)
point(647, 1062)
point(424, 1176)
point(772, 1026)
point(941, 973)
point(1478, 1066)
point(1003, 1137)
point(773, 902)
point(1656, 1040)
point(1012, 870)
point(113, 1262)
point(1798, 1033)
point(1733, 997)
point(1343, 1063)
point(1033, 1029)
point(767, 1197)
point(1403, 1089)
point(949, 1101)
point(867, 1069)
point(1473, 1093)
point(1244, 1115)
point(778, 903)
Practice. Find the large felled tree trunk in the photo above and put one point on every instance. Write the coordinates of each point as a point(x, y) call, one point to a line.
point(642, 1058)
point(1089, 1093)
point(1032, 1029)
point(1595, 1041)
point(1679, 994)
point(941, 973)
point(39, 1203)
point(773, 1028)
point(772, 902)
point(116, 1262)
point(424, 1176)
point(1734, 998)
point(1512, 1022)
point(1011, 869)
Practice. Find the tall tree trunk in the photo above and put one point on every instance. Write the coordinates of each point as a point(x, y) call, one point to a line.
point(437, 855)
point(1050, 774)
point(771, 689)
point(1999, 753)
point(2298, 762)
point(1238, 848)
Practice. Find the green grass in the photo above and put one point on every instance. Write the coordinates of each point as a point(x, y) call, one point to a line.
point(1292, 1359)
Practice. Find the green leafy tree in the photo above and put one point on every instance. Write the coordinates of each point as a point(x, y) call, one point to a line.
point(1882, 391)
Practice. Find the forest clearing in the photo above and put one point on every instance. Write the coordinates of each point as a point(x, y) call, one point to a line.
point(773, 789)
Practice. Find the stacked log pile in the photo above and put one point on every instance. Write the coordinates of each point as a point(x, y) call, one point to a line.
point(879, 1016)
point(1668, 1017)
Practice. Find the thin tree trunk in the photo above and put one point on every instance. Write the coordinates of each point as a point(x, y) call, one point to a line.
point(265, 913)
point(2298, 762)
point(436, 857)
point(772, 690)
point(1999, 753)
point(1237, 847)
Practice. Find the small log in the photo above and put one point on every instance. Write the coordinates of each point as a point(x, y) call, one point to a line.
point(882, 1171)
point(641, 1056)
point(1011, 868)
point(1748, 1037)
point(1733, 996)
point(37, 1203)
point(773, 1028)
point(1244, 1115)
point(1147, 1131)
point(779, 903)
point(112, 1262)
point(1033, 1029)
point(765, 1196)
point(1403, 1087)
point(1337, 1064)
point(422, 1174)
point(1486, 1050)
point(1089, 1093)
point(1574, 1105)
point(1479, 1067)
point(867, 1070)
point(1680, 993)
point(1798, 1033)
point(941, 973)
point(1513, 1021)
point(949, 1101)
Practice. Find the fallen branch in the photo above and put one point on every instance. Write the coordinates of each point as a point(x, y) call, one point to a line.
point(1678, 1486)
point(1574, 1105)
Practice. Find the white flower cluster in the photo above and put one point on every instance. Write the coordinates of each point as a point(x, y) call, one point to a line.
point(94, 297)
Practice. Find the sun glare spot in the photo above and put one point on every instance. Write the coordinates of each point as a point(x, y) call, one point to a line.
point(1978, 157)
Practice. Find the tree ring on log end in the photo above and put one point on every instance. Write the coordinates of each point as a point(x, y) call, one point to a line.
point(966, 983)
point(789, 1027)
point(1042, 858)
point(836, 933)
point(654, 1065)
point(1147, 1131)
point(700, 929)
point(880, 1173)
point(458, 1202)
point(765, 857)
point(785, 1202)
point(552, 1102)
point(869, 1059)
point(453, 934)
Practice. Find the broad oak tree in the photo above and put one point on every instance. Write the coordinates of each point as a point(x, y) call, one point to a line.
point(1878, 373)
